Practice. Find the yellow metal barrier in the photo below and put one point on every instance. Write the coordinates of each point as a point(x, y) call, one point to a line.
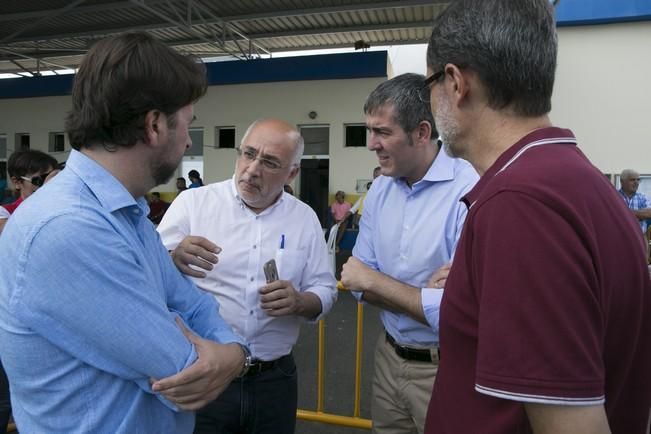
point(319, 415)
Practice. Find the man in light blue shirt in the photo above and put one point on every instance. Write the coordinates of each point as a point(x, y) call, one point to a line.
point(93, 313)
point(410, 226)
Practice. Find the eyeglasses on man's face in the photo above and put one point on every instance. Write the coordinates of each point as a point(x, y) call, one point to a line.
point(433, 78)
point(424, 94)
point(36, 181)
point(249, 155)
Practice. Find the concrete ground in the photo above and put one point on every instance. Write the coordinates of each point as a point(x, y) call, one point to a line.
point(340, 330)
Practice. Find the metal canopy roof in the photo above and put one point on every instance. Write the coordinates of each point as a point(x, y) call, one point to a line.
point(38, 35)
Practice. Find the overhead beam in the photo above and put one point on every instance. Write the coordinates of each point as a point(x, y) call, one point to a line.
point(21, 67)
point(79, 10)
point(226, 29)
point(38, 22)
point(180, 43)
point(235, 18)
point(320, 31)
point(24, 56)
point(334, 9)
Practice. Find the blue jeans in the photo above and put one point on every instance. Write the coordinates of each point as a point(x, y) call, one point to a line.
point(263, 403)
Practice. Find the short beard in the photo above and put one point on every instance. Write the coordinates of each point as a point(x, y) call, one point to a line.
point(448, 128)
point(162, 172)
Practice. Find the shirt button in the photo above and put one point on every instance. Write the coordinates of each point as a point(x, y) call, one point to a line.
point(252, 279)
point(250, 312)
point(254, 246)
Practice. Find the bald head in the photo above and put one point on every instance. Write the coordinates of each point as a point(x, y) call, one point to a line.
point(283, 132)
point(269, 158)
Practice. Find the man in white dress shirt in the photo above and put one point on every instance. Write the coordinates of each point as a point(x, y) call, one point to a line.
point(222, 235)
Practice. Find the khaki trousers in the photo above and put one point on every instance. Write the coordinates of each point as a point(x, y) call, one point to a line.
point(401, 391)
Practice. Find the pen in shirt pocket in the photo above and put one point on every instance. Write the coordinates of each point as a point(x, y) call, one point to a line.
point(279, 255)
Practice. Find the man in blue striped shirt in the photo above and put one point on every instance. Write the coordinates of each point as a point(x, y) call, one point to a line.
point(636, 202)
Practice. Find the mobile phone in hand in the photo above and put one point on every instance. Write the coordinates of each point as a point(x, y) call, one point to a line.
point(270, 271)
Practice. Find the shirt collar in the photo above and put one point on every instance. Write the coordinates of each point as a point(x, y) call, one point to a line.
point(441, 169)
point(238, 198)
point(553, 134)
point(110, 192)
point(626, 195)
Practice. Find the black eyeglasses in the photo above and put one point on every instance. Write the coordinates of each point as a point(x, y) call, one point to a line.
point(36, 181)
point(423, 94)
point(434, 78)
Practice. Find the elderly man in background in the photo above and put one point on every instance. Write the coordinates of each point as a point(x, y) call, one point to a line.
point(638, 203)
point(230, 230)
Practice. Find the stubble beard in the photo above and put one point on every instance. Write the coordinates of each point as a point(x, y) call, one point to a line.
point(447, 128)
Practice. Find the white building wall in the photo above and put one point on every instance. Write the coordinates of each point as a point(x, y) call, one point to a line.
point(336, 103)
point(603, 93)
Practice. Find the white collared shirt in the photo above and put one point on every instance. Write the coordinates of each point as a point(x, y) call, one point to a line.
point(248, 240)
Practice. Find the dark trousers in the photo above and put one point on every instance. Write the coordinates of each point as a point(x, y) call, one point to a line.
point(262, 403)
point(5, 402)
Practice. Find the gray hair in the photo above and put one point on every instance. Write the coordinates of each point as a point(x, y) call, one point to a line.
point(628, 174)
point(293, 134)
point(409, 96)
point(510, 44)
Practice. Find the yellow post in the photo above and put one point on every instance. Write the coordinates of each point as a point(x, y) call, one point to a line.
point(319, 416)
point(358, 358)
point(320, 368)
point(334, 419)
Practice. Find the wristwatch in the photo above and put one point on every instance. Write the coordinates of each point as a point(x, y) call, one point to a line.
point(247, 360)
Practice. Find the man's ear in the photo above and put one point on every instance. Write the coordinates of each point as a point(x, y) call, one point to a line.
point(457, 85)
point(424, 132)
point(155, 122)
point(293, 174)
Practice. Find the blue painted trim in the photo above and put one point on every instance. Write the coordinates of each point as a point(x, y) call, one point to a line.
point(319, 67)
point(586, 12)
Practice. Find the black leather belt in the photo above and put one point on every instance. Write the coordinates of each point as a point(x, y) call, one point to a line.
point(407, 353)
point(259, 366)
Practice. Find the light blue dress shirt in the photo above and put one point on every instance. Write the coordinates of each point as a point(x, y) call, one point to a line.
point(88, 297)
point(409, 233)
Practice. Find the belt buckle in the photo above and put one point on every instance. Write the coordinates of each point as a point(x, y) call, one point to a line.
point(256, 368)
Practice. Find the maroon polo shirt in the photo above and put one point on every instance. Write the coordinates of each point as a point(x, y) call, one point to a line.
point(548, 300)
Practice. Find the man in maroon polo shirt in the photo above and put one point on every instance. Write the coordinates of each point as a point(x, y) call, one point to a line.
point(546, 314)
